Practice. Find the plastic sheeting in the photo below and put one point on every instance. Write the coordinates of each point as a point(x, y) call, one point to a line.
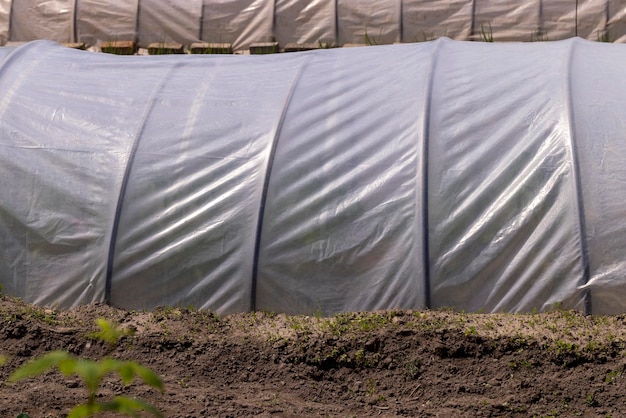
point(37, 19)
point(98, 21)
point(334, 180)
point(305, 22)
point(243, 22)
point(170, 21)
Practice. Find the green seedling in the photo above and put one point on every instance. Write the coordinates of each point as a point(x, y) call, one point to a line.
point(92, 373)
point(486, 35)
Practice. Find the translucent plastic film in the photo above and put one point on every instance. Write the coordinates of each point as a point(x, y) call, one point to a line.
point(368, 21)
point(304, 22)
point(189, 219)
point(425, 20)
point(239, 22)
point(37, 19)
point(106, 20)
point(506, 20)
point(169, 21)
point(558, 19)
point(5, 19)
point(503, 211)
point(64, 143)
point(343, 219)
point(592, 17)
point(616, 30)
point(600, 122)
point(334, 180)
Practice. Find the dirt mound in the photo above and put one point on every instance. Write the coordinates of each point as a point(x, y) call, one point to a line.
point(392, 363)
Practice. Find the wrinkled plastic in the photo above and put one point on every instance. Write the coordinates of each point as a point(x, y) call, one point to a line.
point(368, 22)
point(335, 180)
point(104, 21)
point(305, 22)
point(238, 22)
point(331, 22)
point(169, 21)
point(5, 19)
point(426, 20)
point(36, 19)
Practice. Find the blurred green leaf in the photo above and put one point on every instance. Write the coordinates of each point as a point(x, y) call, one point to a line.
point(149, 377)
point(39, 366)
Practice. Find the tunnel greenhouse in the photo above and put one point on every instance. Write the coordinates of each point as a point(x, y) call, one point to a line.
point(483, 177)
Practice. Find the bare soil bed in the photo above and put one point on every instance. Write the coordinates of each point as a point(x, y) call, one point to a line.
point(392, 363)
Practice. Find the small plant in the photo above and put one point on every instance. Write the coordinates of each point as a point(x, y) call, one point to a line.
point(604, 36)
point(325, 44)
point(371, 41)
point(487, 36)
point(92, 373)
point(591, 400)
point(539, 36)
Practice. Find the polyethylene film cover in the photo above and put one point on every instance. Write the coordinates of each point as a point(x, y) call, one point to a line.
point(558, 19)
point(239, 22)
point(424, 20)
point(592, 18)
point(36, 19)
point(64, 146)
point(360, 19)
point(304, 22)
point(5, 17)
point(597, 97)
point(343, 218)
point(106, 20)
point(189, 220)
point(506, 20)
point(617, 21)
point(169, 21)
point(503, 210)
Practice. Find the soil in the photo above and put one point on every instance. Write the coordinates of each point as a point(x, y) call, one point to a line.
point(392, 363)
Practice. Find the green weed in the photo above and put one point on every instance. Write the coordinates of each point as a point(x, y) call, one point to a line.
point(92, 373)
point(487, 36)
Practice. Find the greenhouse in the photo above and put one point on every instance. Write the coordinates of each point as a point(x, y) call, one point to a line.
point(336, 22)
point(479, 176)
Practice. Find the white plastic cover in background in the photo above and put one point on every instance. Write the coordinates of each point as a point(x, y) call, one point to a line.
point(239, 22)
point(343, 166)
point(379, 20)
point(617, 21)
point(47, 19)
point(425, 20)
point(304, 22)
point(5, 18)
point(592, 18)
point(169, 21)
point(558, 19)
point(106, 20)
point(506, 20)
point(600, 126)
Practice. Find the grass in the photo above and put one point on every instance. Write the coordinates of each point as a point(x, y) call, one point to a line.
point(486, 35)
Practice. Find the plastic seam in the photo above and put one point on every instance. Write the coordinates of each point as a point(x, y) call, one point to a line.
point(424, 156)
point(580, 208)
point(266, 183)
point(124, 185)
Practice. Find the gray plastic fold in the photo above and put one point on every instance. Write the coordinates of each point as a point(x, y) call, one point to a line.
point(169, 21)
point(472, 175)
point(243, 22)
point(105, 20)
point(35, 19)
